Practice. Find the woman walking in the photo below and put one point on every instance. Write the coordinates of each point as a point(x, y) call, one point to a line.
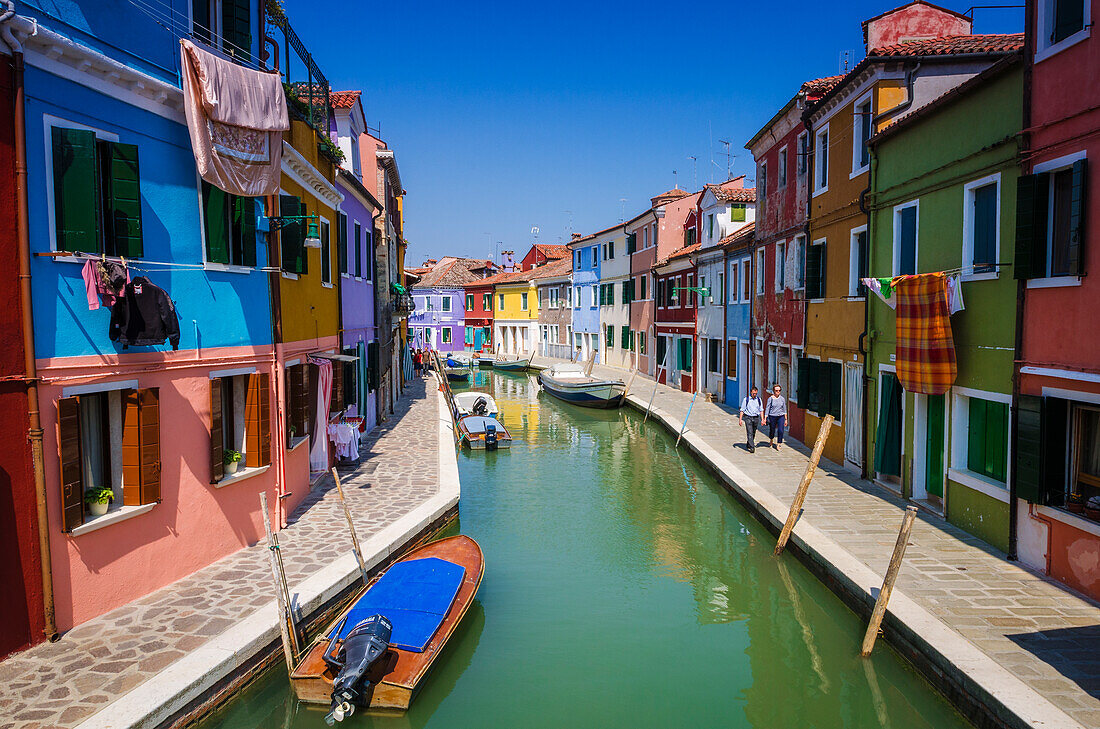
point(775, 417)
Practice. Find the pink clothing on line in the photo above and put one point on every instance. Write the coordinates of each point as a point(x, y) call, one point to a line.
point(96, 288)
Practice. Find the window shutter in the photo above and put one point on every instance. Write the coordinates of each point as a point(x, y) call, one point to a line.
point(1031, 215)
point(737, 213)
point(141, 446)
point(357, 244)
point(72, 473)
point(835, 370)
point(815, 265)
point(626, 338)
point(257, 420)
point(237, 29)
point(215, 214)
point(246, 215)
point(292, 235)
point(336, 392)
point(342, 242)
point(75, 186)
point(1029, 448)
point(217, 435)
point(200, 19)
point(803, 384)
point(631, 243)
point(301, 403)
point(1077, 218)
point(374, 373)
point(122, 198)
point(731, 358)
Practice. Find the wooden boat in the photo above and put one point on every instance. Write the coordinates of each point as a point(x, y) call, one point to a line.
point(475, 433)
point(454, 567)
point(456, 370)
point(463, 358)
point(513, 365)
point(466, 403)
point(485, 360)
point(568, 382)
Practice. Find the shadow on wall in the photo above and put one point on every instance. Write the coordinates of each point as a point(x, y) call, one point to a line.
point(15, 631)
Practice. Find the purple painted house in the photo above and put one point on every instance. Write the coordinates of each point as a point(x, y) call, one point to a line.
point(439, 321)
point(355, 256)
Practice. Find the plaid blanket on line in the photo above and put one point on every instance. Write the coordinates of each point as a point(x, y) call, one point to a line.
point(925, 349)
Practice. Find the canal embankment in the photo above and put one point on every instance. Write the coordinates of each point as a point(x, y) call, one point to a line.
point(1007, 646)
point(167, 658)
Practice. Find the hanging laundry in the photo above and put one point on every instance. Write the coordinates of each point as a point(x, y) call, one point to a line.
point(236, 117)
point(955, 294)
point(925, 349)
point(318, 451)
point(144, 316)
point(104, 282)
point(345, 436)
point(883, 288)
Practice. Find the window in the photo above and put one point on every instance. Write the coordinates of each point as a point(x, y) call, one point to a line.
point(469, 340)
point(760, 272)
point(731, 358)
point(609, 340)
point(684, 352)
point(229, 224)
point(815, 270)
point(326, 253)
point(710, 226)
point(762, 181)
point(642, 286)
point(604, 249)
point(734, 290)
point(592, 296)
point(819, 386)
point(862, 118)
point(343, 254)
point(469, 302)
point(357, 246)
point(97, 194)
point(803, 152)
point(746, 281)
point(1050, 220)
point(224, 24)
point(631, 243)
point(781, 173)
point(905, 238)
point(796, 250)
point(487, 302)
point(523, 301)
point(780, 266)
point(645, 237)
point(292, 236)
point(554, 297)
point(857, 262)
point(981, 224)
point(108, 440)
point(713, 360)
point(737, 212)
point(240, 421)
point(984, 425)
point(821, 160)
point(1061, 20)
point(611, 249)
point(720, 294)
point(446, 303)
point(500, 302)
point(641, 343)
point(627, 340)
point(595, 256)
point(446, 335)
point(299, 396)
point(661, 284)
point(428, 302)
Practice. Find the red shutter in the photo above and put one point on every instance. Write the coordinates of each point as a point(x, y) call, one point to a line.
point(217, 434)
point(257, 437)
point(336, 396)
point(72, 476)
point(141, 446)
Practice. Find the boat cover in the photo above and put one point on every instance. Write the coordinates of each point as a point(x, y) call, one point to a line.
point(476, 424)
point(414, 595)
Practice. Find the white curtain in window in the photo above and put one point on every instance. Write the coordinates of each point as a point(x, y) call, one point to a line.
point(91, 440)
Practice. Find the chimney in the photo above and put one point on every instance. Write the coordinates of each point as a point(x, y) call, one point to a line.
point(575, 236)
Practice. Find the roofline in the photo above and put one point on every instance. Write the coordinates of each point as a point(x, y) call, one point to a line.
point(358, 187)
point(883, 14)
point(772, 122)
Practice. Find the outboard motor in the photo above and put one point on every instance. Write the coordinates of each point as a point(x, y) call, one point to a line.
point(481, 406)
point(490, 437)
point(364, 645)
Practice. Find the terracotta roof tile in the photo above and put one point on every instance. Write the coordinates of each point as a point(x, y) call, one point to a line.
point(820, 85)
point(953, 45)
point(344, 99)
point(738, 236)
point(559, 267)
point(452, 273)
point(552, 251)
point(733, 194)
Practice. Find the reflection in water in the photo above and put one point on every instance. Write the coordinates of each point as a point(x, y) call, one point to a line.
point(625, 588)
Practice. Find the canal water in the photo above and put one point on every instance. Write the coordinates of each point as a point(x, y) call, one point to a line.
point(624, 587)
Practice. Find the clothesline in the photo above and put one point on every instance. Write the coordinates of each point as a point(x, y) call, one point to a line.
point(142, 264)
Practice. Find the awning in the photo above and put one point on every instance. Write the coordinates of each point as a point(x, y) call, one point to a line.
point(335, 357)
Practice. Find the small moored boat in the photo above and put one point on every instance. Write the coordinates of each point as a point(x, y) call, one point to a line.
point(513, 365)
point(475, 403)
point(377, 652)
point(485, 360)
point(570, 383)
point(456, 370)
point(483, 433)
point(464, 358)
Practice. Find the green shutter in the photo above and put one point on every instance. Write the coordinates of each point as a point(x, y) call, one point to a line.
point(803, 383)
point(292, 235)
point(631, 243)
point(237, 29)
point(1029, 449)
point(1029, 260)
point(342, 242)
point(610, 337)
point(200, 19)
point(215, 216)
point(737, 213)
point(996, 440)
point(247, 209)
point(76, 212)
point(815, 271)
point(836, 371)
point(121, 198)
point(975, 435)
point(374, 372)
point(888, 432)
point(626, 338)
point(358, 243)
point(1076, 253)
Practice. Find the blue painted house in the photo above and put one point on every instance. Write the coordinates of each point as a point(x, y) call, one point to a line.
point(586, 298)
point(739, 359)
point(112, 178)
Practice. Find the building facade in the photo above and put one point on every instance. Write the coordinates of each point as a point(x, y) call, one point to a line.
point(641, 234)
point(738, 249)
point(675, 318)
point(586, 296)
point(554, 282)
point(479, 315)
point(516, 317)
point(614, 297)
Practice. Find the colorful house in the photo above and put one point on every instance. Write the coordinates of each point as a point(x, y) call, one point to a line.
point(641, 234)
point(554, 283)
point(781, 151)
point(675, 316)
point(915, 54)
point(439, 321)
point(479, 314)
point(586, 296)
point(515, 319)
point(738, 249)
point(949, 452)
point(723, 210)
point(614, 297)
point(149, 423)
point(1055, 436)
point(542, 253)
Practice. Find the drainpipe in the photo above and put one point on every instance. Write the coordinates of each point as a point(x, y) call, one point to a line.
point(34, 431)
point(864, 347)
point(910, 80)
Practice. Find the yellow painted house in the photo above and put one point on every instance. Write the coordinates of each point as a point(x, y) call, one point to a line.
point(516, 317)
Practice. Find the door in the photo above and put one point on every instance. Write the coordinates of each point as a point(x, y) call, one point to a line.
point(933, 462)
point(479, 338)
point(853, 413)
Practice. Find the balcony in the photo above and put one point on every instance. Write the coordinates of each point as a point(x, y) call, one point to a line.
point(403, 303)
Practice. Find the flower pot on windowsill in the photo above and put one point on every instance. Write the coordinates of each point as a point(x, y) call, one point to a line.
point(98, 499)
point(98, 509)
point(230, 459)
point(1076, 507)
point(230, 468)
point(1092, 508)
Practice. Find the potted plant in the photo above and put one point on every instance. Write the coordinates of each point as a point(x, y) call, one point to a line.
point(1092, 508)
point(98, 499)
point(230, 459)
point(1076, 503)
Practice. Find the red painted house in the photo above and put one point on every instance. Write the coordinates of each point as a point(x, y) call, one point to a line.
point(21, 611)
point(778, 319)
point(541, 254)
point(1057, 420)
point(479, 315)
point(675, 314)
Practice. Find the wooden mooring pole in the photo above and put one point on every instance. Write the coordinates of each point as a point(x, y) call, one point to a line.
point(804, 484)
point(888, 582)
point(685, 425)
point(351, 529)
point(287, 628)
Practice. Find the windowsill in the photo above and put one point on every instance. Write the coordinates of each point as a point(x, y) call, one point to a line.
point(297, 441)
point(987, 486)
point(986, 276)
point(1062, 45)
point(325, 285)
point(820, 190)
point(226, 267)
point(1053, 282)
point(240, 475)
point(291, 276)
point(860, 171)
point(113, 516)
point(1070, 519)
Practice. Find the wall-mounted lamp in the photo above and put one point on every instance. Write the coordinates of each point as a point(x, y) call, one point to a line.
point(701, 291)
point(313, 230)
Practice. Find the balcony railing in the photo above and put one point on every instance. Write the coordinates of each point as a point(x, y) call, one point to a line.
point(307, 88)
point(403, 303)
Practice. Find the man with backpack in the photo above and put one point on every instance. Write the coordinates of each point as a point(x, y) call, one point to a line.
point(749, 416)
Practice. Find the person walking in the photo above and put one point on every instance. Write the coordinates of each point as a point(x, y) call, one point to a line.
point(418, 362)
point(749, 416)
point(775, 417)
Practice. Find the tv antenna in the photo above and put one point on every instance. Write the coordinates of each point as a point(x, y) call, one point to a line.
point(569, 226)
point(535, 232)
point(675, 183)
point(845, 59)
point(730, 157)
point(694, 170)
point(622, 209)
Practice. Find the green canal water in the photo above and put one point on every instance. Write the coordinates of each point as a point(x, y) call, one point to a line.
point(624, 587)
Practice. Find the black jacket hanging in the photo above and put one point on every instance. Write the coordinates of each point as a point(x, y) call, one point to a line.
point(144, 316)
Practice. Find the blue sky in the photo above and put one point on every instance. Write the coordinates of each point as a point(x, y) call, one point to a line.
point(504, 116)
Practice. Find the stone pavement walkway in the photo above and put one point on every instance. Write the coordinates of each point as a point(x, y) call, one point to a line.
point(57, 685)
point(1042, 632)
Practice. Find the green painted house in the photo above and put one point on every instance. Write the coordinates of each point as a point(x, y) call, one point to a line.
point(943, 198)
